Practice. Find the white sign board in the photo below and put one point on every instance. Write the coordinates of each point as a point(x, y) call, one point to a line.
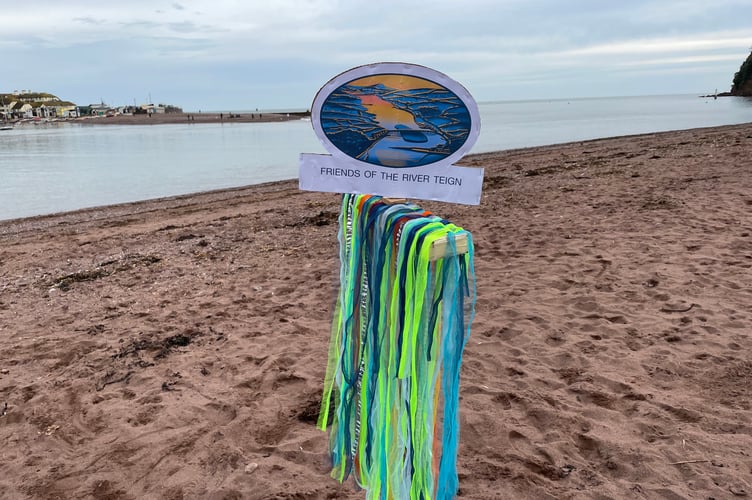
point(394, 129)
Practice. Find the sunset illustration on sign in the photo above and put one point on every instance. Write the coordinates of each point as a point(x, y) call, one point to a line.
point(395, 120)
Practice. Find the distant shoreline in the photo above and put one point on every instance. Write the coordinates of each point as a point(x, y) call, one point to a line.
point(175, 118)
point(720, 94)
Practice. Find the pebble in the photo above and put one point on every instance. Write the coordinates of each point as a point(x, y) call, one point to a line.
point(251, 467)
point(738, 491)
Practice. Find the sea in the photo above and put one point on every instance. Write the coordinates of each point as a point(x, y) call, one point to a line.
point(58, 166)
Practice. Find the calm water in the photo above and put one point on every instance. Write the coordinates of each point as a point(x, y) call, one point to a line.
point(58, 167)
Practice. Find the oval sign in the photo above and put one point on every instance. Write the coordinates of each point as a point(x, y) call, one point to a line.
point(395, 115)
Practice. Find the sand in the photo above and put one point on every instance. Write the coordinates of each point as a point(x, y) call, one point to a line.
point(175, 349)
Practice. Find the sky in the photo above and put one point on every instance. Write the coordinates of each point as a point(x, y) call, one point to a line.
point(233, 55)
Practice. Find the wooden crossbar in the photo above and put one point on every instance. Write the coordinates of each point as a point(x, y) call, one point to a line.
point(394, 201)
point(439, 247)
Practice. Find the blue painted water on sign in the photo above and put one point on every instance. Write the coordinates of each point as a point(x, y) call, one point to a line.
point(381, 125)
point(399, 148)
point(58, 167)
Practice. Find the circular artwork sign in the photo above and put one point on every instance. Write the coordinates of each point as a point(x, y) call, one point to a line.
point(395, 115)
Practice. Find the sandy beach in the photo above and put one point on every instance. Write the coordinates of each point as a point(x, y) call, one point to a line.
point(176, 348)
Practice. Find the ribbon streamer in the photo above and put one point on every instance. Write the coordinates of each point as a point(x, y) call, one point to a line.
point(401, 322)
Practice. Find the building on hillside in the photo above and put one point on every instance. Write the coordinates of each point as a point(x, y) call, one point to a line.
point(20, 110)
point(37, 97)
point(100, 109)
point(68, 111)
point(153, 108)
point(26, 104)
point(40, 110)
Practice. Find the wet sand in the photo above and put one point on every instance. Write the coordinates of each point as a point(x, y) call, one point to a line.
point(175, 348)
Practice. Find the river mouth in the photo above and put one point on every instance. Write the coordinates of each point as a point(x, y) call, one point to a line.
point(406, 148)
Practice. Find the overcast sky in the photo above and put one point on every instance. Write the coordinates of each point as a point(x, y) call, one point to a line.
point(276, 54)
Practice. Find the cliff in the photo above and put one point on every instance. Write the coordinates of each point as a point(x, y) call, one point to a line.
point(742, 84)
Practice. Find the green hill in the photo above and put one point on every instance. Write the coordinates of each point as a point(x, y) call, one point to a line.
point(742, 84)
point(35, 99)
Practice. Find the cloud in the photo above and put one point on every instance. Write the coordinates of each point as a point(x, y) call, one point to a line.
point(185, 27)
point(141, 25)
point(695, 43)
point(670, 61)
point(285, 49)
point(89, 20)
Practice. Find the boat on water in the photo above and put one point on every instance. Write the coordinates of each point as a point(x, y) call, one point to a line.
point(6, 127)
